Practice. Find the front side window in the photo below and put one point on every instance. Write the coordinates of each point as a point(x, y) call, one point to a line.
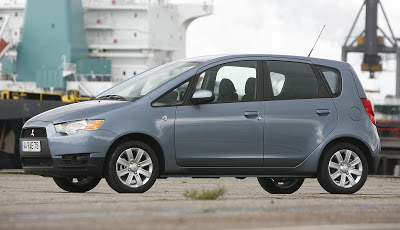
point(231, 82)
point(291, 80)
point(174, 97)
point(140, 85)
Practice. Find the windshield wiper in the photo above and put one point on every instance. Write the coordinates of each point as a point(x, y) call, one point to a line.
point(112, 97)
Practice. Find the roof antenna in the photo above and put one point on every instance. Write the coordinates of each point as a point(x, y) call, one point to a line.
point(316, 41)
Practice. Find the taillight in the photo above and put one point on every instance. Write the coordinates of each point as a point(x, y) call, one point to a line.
point(369, 109)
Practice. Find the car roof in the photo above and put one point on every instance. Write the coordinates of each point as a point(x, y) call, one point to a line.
point(213, 58)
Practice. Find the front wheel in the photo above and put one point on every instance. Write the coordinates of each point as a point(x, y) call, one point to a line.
point(280, 185)
point(132, 168)
point(80, 184)
point(343, 169)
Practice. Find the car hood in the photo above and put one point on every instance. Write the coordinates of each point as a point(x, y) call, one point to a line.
point(79, 111)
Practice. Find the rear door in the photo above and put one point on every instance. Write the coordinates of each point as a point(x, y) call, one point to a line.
point(299, 111)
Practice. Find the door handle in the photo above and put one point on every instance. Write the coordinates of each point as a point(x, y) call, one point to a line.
point(251, 114)
point(323, 112)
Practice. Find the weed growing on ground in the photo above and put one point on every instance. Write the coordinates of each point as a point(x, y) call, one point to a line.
point(205, 194)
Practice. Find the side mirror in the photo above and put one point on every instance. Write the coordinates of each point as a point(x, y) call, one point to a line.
point(202, 96)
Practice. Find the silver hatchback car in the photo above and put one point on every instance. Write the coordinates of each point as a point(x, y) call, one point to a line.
point(278, 118)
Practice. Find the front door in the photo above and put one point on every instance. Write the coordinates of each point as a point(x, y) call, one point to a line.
point(227, 132)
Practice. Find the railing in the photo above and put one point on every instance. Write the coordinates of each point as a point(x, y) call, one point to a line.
point(67, 68)
point(20, 95)
point(95, 78)
point(93, 3)
point(5, 44)
point(207, 2)
point(87, 83)
point(3, 18)
point(12, 3)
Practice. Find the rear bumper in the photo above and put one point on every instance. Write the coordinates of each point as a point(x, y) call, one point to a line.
point(375, 159)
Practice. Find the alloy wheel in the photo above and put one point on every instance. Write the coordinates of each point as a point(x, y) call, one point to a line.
point(134, 167)
point(345, 168)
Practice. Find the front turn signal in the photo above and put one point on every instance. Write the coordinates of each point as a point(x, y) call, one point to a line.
point(93, 124)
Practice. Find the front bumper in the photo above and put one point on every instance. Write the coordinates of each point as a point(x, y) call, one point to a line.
point(45, 166)
point(79, 155)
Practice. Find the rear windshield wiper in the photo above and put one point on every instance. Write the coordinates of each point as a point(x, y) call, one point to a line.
point(112, 97)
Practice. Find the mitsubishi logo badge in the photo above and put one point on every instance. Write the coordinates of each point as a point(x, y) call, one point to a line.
point(33, 133)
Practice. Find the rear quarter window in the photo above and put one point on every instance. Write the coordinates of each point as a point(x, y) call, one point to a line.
point(333, 78)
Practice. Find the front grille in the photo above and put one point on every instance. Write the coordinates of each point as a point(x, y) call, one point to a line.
point(37, 132)
point(37, 161)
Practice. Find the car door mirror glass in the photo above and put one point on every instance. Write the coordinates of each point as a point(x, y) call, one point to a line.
point(202, 96)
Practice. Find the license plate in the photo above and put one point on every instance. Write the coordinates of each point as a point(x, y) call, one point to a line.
point(31, 146)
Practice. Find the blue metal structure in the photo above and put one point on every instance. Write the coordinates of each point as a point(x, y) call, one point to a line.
point(53, 30)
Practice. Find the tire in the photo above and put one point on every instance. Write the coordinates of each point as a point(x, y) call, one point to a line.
point(81, 184)
point(280, 185)
point(343, 169)
point(137, 167)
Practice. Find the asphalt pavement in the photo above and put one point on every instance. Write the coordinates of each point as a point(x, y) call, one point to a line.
point(34, 202)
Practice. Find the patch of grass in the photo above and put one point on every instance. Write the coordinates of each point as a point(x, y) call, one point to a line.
point(208, 210)
point(205, 194)
point(161, 200)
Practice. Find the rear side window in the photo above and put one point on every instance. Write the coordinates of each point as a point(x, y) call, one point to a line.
point(292, 80)
point(332, 77)
point(277, 81)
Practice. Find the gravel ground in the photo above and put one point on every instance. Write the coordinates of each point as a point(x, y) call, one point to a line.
point(34, 202)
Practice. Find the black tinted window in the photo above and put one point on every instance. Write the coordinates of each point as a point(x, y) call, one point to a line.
point(332, 76)
point(292, 80)
point(174, 97)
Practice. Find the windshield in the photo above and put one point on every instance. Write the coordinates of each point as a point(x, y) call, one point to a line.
point(140, 85)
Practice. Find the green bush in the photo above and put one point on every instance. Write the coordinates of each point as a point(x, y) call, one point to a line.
point(205, 194)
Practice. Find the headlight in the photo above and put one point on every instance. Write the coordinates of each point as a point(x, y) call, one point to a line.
point(76, 126)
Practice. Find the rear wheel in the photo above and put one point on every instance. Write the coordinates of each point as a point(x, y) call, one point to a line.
point(343, 169)
point(132, 168)
point(79, 184)
point(280, 185)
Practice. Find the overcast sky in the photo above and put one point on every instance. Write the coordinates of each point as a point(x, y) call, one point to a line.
point(291, 27)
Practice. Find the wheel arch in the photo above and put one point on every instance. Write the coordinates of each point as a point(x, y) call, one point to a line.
point(351, 140)
point(149, 140)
